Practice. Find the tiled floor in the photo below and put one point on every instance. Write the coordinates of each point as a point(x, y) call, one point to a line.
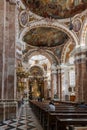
point(26, 120)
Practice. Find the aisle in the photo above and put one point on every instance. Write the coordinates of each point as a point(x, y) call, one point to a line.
point(25, 120)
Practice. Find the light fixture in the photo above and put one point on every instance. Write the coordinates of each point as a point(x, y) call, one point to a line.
point(70, 25)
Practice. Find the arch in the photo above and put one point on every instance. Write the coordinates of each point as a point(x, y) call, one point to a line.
point(37, 69)
point(43, 52)
point(65, 49)
point(37, 65)
point(36, 82)
point(44, 23)
point(53, 57)
point(83, 33)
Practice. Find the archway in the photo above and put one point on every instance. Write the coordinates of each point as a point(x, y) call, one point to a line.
point(83, 34)
point(42, 23)
point(36, 83)
point(40, 65)
point(68, 72)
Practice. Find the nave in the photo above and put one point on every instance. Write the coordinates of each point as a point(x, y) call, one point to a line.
point(43, 55)
point(25, 120)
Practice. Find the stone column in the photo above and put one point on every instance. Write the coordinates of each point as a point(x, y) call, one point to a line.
point(45, 88)
point(2, 16)
point(9, 56)
point(53, 81)
point(59, 83)
point(81, 75)
point(27, 84)
point(7, 59)
point(66, 83)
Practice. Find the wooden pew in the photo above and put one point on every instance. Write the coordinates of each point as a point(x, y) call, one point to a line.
point(71, 127)
point(52, 118)
point(62, 123)
point(48, 119)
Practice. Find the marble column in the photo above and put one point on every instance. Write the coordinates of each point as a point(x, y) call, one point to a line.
point(53, 81)
point(27, 84)
point(9, 51)
point(81, 76)
point(59, 83)
point(7, 59)
point(45, 88)
point(2, 16)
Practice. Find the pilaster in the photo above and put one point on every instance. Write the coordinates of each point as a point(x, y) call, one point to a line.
point(45, 88)
point(81, 75)
point(53, 81)
point(2, 6)
point(8, 105)
point(59, 83)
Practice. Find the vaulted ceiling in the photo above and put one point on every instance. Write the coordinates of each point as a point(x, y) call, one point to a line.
point(58, 9)
point(45, 37)
point(52, 38)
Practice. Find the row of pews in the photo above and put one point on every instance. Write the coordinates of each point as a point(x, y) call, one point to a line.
point(62, 118)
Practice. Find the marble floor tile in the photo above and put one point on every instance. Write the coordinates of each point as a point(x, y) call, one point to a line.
point(26, 120)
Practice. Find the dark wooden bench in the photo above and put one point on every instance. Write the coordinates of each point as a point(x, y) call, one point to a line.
point(52, 118)
point(62, 123)
point(48, 119)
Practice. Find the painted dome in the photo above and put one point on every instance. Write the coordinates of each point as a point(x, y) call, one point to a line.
point(58, 9)
point(45, 37)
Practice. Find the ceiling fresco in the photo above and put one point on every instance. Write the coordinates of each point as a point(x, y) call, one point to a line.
point(45, 37)
point(58, 9)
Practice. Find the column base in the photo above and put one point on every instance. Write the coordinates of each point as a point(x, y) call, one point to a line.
point(8, 110)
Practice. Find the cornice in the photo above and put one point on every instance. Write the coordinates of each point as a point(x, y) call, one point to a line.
point(12, 1)
point(78, 50)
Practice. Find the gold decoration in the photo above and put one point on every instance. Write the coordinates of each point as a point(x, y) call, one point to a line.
point(36, 92)
point(21, 75)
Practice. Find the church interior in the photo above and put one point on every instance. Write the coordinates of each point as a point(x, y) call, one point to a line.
point(43, 57)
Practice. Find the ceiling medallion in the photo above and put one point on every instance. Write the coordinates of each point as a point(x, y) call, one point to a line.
point(77, 24)
point(24, 18)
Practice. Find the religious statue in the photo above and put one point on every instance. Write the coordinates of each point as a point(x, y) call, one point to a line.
point(35, 91)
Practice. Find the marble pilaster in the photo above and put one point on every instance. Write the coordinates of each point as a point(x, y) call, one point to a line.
point(45, 88)
point(81, 76)
point(9, 51)
point(1, 44)
point(11, 56)
point(53, 81)
point(59, 84)
point(7, 60)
